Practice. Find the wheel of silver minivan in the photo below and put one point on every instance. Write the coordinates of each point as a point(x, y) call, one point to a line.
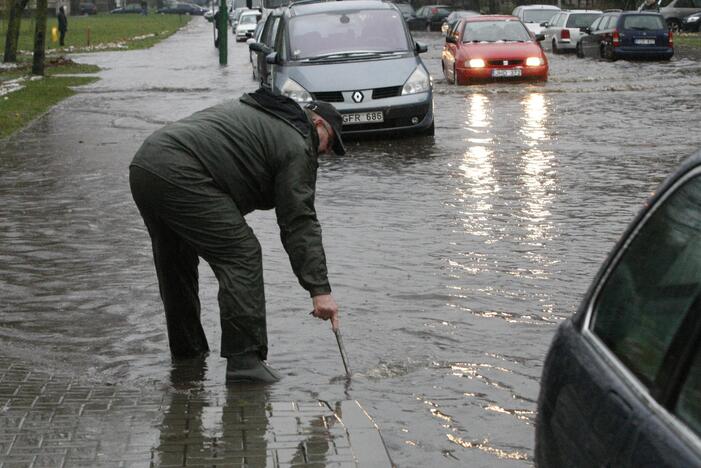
point(555, 49)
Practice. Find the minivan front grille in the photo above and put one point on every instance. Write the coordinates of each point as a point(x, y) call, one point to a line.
point(329, 96)
point(390, 91)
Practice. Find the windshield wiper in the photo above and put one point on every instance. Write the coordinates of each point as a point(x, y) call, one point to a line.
point(340, 55)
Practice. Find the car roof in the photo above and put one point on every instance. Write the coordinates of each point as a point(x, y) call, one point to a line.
point(323, 7)
point(539, 7)
point(472, 19)
point(582, 11)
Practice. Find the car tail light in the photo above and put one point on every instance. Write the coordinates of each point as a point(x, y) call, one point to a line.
point(565, 34)
point(670, 38)
point(616, 39)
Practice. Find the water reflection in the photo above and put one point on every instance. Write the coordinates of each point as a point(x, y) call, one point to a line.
point(477, 168)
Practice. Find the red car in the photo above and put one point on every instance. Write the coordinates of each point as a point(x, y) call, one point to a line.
point(492, 48)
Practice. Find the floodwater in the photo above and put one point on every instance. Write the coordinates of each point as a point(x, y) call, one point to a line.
point(453, 259)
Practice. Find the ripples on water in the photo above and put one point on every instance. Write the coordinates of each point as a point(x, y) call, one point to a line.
point(453, 258)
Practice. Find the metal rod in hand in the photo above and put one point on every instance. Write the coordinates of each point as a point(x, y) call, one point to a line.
point(339, 340)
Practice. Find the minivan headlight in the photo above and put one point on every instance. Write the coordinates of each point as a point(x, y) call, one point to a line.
point(534, 61)
point(295, 91)
point(418, 82)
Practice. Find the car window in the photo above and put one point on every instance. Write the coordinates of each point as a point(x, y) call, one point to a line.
point(347, 32)
point(608, 23)
point(595, 25)
point(604, 23)
point(537, 16)
point(495, 31)
point(653, 285)
point(581, 20)
point(270, 30)
point(688, 407)
point(281, 43)
point(683, 4)
point(643, 22)
point(697, 3)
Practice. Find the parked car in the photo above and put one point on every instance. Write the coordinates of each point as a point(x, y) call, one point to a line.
point(431, 16)
point(87, 9)
point(534, 15)
point(492, 48)
point(183, 9)
point(563, 31)
point(692, 22)
point(246, 25)
point(621, 383)
point(454, 17)
point(132, 8)
point(357, 55)
point(409, 15)
point(234, 16)
point(673, 11)
point(627, 35)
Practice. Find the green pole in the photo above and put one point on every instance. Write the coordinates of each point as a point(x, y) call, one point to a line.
point(223, 32)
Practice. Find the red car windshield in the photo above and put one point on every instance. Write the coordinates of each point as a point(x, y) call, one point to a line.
point(347, 32)
point(495, 31)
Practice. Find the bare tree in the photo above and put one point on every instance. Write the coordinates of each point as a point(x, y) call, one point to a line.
point(12, 36)
point(40, 38)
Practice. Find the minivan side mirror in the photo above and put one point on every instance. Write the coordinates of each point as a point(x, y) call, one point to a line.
point(272, 58)
point(449, 38)
point(540, 37)
point(259, 47)
point(545, 24)
point(421, 48)
point(586, 30)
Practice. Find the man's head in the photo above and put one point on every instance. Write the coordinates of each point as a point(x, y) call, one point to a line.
point(328, 124)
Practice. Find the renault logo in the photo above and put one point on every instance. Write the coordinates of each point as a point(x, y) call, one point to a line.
point(357, 97)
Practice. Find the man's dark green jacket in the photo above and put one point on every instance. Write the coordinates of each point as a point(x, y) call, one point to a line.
point(263, 158)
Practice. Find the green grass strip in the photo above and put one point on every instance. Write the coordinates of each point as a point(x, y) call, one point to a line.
point(21, 107)
point(102, 32)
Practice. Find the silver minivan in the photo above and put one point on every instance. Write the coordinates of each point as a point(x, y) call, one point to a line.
point(358, 55)
point(673, 11)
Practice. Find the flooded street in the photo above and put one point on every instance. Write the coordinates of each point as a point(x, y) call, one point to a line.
point(453, 259)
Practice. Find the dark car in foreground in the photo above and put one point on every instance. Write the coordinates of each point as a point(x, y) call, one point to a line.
point(621, 384)
point(357, 55)
point(627, 35)
point(183, 9)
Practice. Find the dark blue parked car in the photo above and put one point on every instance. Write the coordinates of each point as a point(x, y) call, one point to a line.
point(627, 35)
point(621, 385)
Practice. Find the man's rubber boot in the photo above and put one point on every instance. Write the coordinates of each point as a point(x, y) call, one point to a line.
point(250, 368)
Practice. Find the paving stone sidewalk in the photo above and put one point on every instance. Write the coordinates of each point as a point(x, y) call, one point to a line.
point(55, 421)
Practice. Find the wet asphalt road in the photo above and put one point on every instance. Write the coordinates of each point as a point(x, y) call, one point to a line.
point(453, 259)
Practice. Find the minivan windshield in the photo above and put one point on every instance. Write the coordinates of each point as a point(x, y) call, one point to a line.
point(349, 32)
point(495, 31)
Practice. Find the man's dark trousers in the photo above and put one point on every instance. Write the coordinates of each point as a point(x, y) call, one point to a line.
point(201, 220)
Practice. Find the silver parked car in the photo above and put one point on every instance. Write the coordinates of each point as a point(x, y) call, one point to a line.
point(533, 16)
point(357, 55)
point(673, 11)
point(562, 32)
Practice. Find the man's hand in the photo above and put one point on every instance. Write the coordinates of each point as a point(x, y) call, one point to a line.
point(325, 308)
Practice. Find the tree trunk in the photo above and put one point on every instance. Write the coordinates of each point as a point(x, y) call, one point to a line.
point(12, 36)
point(40, 38)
